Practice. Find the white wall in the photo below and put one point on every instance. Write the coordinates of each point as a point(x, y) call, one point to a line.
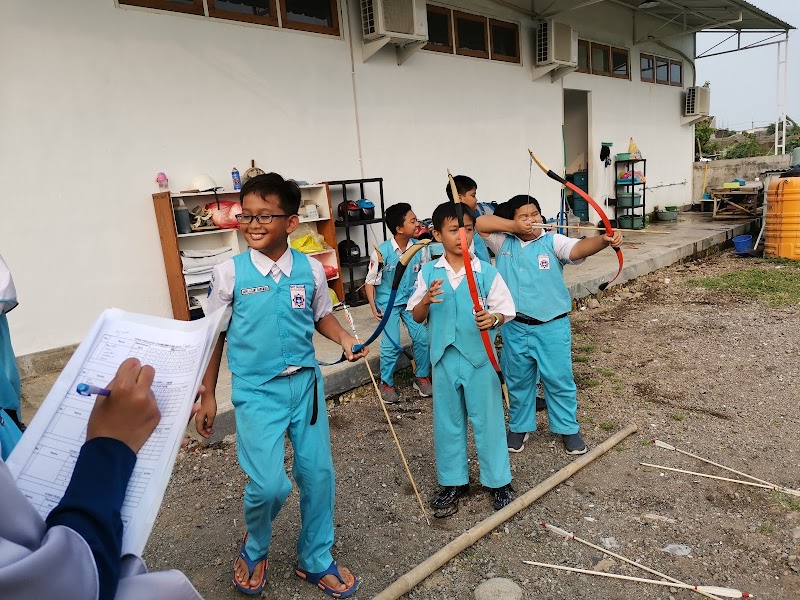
point(97, 99)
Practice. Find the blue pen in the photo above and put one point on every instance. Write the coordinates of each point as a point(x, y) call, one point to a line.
point(84, 389)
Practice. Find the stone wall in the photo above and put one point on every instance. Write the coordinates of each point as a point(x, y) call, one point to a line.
point(720, 171)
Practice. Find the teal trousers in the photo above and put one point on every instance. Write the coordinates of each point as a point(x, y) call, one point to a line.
point(390, 353)
point(264, 415)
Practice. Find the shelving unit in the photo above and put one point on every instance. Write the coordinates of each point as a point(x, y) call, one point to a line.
point(629, 211)
point(172, 242)
point(343, 191)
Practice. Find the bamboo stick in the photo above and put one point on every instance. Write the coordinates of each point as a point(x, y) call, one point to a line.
point(554, 226)
point(750, 483)
point(667, 446)
point(388, 420)
point(571, 536)
point(405, 583)
point(711, 589)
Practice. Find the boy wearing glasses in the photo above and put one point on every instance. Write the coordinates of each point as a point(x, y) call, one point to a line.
point(278, 296)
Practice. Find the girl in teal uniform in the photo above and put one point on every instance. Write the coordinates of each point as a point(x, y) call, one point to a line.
point(9, 374)
point(538, 343)
point(465, 385)
point(402, 222)
point(278, 298)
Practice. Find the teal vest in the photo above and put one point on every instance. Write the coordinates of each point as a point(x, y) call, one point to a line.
point(537, 292)
point(481, 251)
point(451, 321)
point(407, 284)
point(272, 323)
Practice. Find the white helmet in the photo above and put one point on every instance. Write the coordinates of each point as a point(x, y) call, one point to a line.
point(204, 183)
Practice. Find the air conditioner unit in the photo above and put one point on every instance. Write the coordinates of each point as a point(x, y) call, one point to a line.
point(556, 44)
point(402, 21)
point(698, 102)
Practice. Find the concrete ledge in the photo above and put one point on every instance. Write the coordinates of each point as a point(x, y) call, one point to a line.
point(42, 363)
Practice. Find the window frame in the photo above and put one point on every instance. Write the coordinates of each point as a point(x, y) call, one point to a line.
point(217, 13)
point(607, 49)
point(588, 46)
point(514, 27)
point(450, 48)
point(627, 54)
point(195, 9)
point(457, 14)
point(679, 63)
point(643, 55)
point(287, 23)
point(655, 70)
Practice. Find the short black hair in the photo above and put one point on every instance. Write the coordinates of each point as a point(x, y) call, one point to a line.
point(272, 184)
point(447, 210)
point(464, 184)
point(395, 215)
point(508, 209)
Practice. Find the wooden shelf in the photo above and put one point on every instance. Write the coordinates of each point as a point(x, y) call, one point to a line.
point(208, 232)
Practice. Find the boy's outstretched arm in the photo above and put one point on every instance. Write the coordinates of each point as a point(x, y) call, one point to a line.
point(204, 419)
point(369, 290)
point(332, 329)
point(488, 224)
point(593, 245)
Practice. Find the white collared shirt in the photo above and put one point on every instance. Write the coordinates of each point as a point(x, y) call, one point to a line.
point(8, 293)
point(224, 278)
point(498, 300)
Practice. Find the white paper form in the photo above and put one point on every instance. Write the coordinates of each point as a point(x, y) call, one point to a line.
point(179, 351)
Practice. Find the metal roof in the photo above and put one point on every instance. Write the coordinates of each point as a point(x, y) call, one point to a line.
point(705, 15)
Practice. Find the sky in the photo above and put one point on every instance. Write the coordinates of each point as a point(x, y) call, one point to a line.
point(743, 83)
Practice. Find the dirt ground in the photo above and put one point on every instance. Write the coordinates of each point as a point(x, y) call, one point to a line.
point(711, 372)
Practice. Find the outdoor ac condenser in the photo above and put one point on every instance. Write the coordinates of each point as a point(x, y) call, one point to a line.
point(556, 44)
point(698, 102)
point(402, 21)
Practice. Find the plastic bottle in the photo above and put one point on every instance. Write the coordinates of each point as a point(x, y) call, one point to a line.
point(237, 181)
point(183, 222)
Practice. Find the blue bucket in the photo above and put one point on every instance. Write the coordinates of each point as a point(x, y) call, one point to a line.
point(743, 243)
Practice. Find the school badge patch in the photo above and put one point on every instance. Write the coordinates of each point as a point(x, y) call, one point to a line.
point(298, 296)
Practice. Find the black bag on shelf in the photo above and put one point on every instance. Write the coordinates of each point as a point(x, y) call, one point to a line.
point(349, 252)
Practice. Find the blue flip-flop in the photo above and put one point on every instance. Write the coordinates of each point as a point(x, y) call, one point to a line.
point(333, 569)
point(251, 566)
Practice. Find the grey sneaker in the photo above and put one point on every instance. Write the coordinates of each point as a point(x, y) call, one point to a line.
point(516, 441)
point(574, 444)
point(389, 394)
point(423, 386)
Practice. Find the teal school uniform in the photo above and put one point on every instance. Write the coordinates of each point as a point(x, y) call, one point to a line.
point(416, 331)
point(534, 274)
point(465, 385)
point(271, 331)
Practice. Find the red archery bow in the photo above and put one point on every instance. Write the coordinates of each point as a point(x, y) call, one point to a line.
point(473, 286)
point(590, 200)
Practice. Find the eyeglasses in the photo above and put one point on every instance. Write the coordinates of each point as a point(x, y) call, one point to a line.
point(262, 219)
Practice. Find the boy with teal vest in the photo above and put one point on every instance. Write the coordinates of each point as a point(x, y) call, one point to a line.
point(467, 195)
point(9, 374)
point(538, 343)
point(465, 385)
point(278, 298)
point(403, 224)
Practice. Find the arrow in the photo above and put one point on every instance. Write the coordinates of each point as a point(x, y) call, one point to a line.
point(554, 226)
point(708, 589)
point(750, 483)
point(781, 488)
point(571, 536)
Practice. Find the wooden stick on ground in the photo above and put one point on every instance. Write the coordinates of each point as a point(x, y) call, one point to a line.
point(667, 446)
point(711, 589)
point(571, 536)
point(777, 488)
point(388, 419)
point(405, 583)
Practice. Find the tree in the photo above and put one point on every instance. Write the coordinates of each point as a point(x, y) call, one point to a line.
point(703, 133)
point(746, 148)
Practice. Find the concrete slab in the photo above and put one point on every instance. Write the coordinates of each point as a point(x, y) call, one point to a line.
point(693, 236)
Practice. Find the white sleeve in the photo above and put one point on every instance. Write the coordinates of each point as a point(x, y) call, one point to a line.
point(563, 247)
point(373, 275)
point(419, 292)
point(494, 242)
point(321, 302)
point(220, 294)
point(499, 299)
